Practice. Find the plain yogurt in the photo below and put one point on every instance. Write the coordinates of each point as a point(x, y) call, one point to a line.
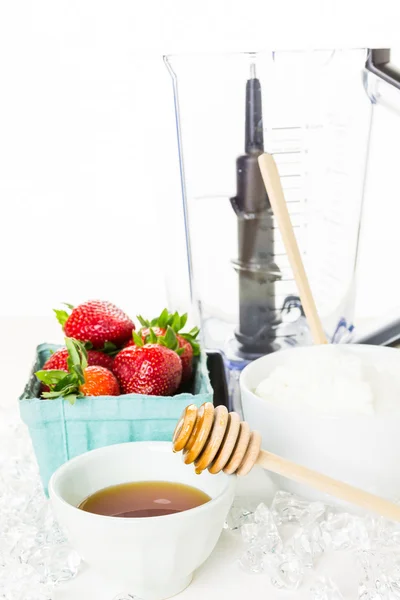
point(334, 382)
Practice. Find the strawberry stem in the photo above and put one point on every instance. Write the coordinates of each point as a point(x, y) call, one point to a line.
point(143, 321)
point(110, 349)
point(62, 316)
point(176, 323)
point(137, 339)
point(62, 384)
point(152, 337)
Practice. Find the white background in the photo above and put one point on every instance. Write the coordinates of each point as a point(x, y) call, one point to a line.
point(88, 152)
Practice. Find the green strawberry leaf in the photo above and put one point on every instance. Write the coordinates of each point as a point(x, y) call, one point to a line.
point(60, 385)
point(50, 395)
point(143, 321)
point(110, 349)
point(194, 332)
point(62, 316)
point(77, 355)
point(137, 339)
point(61, 382)
point(51, 376)
point(196, 348)
point(173, 323)
point(71, 398)
point(170, 338)
point(163, 318)
point(70, 306)
point(64, 384)
point(176, 322)
point(73, 353)
point(195, 345)
point(78, 371)
point(170, 318)
point(180, 351)
point(183, 322)
point(89, 345)
point(151, 338)
point(68, 381)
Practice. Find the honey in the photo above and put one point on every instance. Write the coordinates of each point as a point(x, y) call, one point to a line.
point(144, 499)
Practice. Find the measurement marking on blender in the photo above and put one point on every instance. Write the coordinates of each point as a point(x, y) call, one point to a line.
point(283, 152)
point(276, 128)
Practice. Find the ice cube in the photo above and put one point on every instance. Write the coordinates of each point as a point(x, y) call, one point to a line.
point(285, 570)
point(325, 589)
point(288, 508)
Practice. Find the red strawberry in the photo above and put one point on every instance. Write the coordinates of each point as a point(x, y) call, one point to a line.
point(186, 358)
point(148, 369)
point(186, 355)
point(98, 322)
point(99, 382)
point(58, 360)
point(184, 343)
point(80, 379)
point(100, 359)
point(144, 333)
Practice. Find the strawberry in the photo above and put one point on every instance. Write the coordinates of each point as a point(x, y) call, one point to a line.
point(186, 358)
point(148, 369)
point(99, 382)
point(81, 379)
point(186, 355)
point(101, 323)
point(58, 360)
point(145, 334)
point(186, 342)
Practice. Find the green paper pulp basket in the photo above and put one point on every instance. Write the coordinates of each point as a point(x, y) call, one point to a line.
point(60, 431)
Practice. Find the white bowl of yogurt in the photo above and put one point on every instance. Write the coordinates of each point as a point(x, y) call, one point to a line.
point(332, 408)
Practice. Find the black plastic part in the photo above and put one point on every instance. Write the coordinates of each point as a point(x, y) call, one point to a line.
point(254, 135)
point(388, 335)
point(378, 62)
point(251, 197)
point(255, 265)
point(217, 373)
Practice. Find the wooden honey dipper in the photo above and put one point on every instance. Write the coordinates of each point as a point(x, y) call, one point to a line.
point(216, 440)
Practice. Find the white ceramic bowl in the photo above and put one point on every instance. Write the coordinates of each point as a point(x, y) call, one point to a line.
point(153, 557)
point(362, 450)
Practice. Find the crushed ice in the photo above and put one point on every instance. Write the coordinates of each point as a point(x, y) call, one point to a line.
point(283, 541)
point(34, 553)
point(287, 539)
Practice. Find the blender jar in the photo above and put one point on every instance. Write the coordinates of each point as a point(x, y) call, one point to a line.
point(310, 109)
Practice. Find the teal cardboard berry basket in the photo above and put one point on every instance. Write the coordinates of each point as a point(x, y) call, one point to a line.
point(60, 431)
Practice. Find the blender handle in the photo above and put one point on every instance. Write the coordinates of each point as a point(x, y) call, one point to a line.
point(276, 197)
point(378, 62)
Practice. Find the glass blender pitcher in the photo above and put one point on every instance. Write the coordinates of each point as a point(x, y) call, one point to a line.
point(312, 110)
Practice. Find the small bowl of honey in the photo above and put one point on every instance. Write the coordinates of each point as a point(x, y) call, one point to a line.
point(139, 516)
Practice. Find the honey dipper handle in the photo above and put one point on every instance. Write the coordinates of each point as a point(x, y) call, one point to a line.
point(330, 486)
point(276, 197)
